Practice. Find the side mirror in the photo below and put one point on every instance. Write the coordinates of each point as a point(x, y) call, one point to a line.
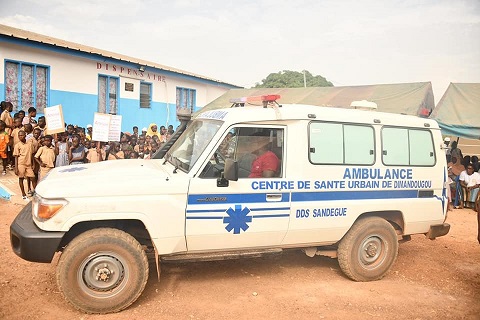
point(231, 170)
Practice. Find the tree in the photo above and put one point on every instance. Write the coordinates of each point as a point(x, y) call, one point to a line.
point(292, 79)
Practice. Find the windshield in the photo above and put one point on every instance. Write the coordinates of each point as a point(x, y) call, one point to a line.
point(190, 145)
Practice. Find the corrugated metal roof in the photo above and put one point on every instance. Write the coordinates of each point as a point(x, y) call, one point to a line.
point(32, 36)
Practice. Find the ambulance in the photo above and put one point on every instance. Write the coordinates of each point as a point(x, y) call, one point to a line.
point(252, 179)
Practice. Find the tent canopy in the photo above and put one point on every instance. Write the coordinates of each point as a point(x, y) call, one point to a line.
point(458, 112)
point(405, 98)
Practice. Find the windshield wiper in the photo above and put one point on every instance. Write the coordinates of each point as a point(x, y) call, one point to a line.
point(176, 163)
point(167, 157)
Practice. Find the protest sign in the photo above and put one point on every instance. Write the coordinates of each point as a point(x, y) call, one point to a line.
point(54, 119)
point(101, 126)
point(115, 128)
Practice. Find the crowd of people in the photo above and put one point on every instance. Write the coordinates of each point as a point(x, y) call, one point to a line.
point(464, 177)
point(28, 149)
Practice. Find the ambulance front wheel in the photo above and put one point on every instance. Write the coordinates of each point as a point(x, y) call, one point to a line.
point(368, 250)
point(102, 271)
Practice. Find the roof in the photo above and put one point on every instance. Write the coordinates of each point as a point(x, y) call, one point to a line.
point(405, 98)
point(458, 111)
point(36, 37)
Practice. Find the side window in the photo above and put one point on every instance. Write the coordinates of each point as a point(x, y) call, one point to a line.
point(338, 143)
point(395, 146)
point(421, 148)
point(145, 95)
point(407, 147)
point(27, 85)
point(326, 143)
point(107, 94)
point(359, 144)
point(257, 150)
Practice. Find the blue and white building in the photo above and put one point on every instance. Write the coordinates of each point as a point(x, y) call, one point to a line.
point(42, 71)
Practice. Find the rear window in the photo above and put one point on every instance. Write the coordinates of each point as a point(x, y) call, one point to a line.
point(407, 147)
point(341, 143)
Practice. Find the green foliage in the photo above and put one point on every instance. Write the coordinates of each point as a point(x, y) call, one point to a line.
point(292, 79)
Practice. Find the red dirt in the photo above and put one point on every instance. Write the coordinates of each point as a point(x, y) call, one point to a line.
point(437, 279)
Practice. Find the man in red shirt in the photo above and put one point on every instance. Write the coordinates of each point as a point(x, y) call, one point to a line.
point(266, 164)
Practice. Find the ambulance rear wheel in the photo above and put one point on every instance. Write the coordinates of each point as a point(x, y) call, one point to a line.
point(368, 250)
point(102, 271)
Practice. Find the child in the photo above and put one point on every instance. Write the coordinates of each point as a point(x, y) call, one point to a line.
point(140, 151)
point(17, 126)
point(125, 145)
point(76, 152)
point(45, 157)
point(61, 150)
point(35, 141)
point(96, 153)
point(4, 141)
point(23, 163)
point(70, 130)
point(28, 130)
point(115, 152)
point(134, 155)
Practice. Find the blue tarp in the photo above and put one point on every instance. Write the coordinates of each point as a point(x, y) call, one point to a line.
point(4, 194)
point(458, 112)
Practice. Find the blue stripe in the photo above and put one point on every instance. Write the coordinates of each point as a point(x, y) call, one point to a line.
point(270, 209)
point(272, 215)
point(204, 218)
point(353, 195)
point(234, 198)
point(299, 196)
point(223, 210)
point(203, 211)
point(257, 216)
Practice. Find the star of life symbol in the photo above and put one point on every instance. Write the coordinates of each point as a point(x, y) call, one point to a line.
point(73, 169)
point(237, 219)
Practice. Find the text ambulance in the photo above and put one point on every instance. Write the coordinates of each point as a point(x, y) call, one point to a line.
point(238, 181)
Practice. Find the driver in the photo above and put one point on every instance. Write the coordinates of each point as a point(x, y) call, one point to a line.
point(267, 163)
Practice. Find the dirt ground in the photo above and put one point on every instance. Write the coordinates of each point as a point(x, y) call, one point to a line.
point(437, 279)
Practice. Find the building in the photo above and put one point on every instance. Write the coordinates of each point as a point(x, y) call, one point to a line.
point(42, 71)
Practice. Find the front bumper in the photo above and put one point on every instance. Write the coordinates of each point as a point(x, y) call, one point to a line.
point(438, 230)
point(31, 243)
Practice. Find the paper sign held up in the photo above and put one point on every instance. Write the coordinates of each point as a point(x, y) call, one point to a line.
point(106, 127)
point(115, 128)
point(54, 119)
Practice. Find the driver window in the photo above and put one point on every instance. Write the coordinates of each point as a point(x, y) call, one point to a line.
point(258, 152)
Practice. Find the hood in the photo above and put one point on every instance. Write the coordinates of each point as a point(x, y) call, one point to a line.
point(107, 178)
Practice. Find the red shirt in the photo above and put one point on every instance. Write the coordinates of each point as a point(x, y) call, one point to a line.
point(267, 161)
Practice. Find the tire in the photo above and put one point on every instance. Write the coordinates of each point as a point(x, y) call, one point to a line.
point(368, 250)
point(102, 271)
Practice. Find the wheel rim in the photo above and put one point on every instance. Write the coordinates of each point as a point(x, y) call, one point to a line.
point(102, 274)
point(372, 252)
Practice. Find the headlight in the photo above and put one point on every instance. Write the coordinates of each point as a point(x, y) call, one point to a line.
point(44, 209)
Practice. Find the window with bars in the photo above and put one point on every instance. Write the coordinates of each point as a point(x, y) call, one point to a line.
point(26, 85)
point(107, 94)
point(186, 99)
point(145, 94)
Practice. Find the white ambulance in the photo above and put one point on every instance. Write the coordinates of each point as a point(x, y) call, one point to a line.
point(241, 181)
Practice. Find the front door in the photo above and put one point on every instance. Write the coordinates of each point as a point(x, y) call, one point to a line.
point(251, 212)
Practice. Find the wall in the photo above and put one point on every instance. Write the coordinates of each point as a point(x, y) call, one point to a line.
point(74, 84)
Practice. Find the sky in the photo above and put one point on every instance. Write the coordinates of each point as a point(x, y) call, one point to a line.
point(349, 42)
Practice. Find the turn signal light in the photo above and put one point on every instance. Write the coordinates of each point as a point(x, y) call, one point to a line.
point(46, 211)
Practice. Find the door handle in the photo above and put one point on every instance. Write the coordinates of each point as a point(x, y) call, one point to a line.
point(274, 197)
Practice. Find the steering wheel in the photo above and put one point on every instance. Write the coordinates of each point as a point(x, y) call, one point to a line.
point(217, 155)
